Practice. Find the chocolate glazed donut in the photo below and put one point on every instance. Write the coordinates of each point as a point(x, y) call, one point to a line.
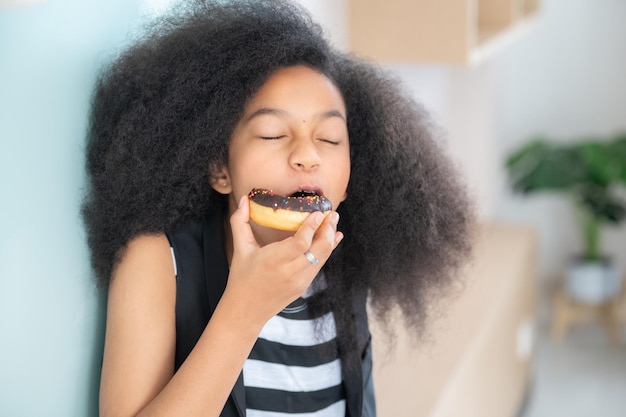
point(285, 213)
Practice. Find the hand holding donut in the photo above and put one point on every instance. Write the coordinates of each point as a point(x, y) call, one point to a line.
point(266, 279)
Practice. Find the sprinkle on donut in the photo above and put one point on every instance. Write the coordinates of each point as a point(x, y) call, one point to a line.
point(303, 202)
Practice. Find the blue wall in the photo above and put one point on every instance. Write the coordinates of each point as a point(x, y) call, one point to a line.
point(51, 315)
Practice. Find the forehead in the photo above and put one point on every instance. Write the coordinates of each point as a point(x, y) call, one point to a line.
point(298, 86)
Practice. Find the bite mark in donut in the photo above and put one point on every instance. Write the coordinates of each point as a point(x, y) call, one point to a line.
point(285, 212)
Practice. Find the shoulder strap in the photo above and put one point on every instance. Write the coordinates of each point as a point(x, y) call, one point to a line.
point(357, 366)
point(202, 273)
point(192, 310)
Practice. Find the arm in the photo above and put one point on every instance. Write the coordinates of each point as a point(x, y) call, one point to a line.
point(137, 374)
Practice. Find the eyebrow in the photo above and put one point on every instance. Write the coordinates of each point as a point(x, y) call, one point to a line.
point(278, 112)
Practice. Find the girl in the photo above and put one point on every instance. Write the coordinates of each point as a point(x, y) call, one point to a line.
point(209, 313)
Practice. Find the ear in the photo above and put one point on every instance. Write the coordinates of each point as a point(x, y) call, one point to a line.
point(219, 178)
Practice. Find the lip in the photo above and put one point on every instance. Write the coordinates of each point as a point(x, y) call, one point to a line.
point(310, 188)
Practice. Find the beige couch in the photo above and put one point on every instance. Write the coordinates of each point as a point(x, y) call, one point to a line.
point(478, 362)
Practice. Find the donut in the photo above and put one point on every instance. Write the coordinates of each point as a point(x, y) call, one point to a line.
point(285, 213)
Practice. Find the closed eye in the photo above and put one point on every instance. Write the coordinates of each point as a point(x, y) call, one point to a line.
point(271, 137)
point(332, 142)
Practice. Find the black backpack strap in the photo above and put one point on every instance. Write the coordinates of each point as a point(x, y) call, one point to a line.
point(202, 273)
point(192, 309)
point(216, 272)
point(369, 399)
point(357, 369)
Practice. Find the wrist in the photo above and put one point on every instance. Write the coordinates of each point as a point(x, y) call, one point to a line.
point(237, 314)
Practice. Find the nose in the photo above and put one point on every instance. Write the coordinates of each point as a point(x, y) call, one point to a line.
point(304, 155)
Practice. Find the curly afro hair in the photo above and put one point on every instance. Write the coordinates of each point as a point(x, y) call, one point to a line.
point(164, 111)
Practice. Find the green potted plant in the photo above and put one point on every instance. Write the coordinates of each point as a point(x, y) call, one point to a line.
point(590, 172)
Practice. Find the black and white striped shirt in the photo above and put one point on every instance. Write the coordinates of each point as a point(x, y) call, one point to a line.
point(294, 368)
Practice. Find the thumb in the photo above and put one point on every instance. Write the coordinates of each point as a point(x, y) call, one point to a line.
point(240, 226)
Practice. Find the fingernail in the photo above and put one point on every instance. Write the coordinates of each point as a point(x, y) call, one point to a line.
point(338, 238)
point(334, 217)
point(242, 201)
point(318, 218)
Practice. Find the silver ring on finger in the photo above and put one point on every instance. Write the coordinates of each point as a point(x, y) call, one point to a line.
point(311, 258)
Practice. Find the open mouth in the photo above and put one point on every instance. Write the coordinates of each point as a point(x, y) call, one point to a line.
point(304, 193)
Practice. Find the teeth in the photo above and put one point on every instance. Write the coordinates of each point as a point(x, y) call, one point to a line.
point(304, 193)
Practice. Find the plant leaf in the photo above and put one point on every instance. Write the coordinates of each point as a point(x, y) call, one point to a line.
point(618, 152)
point(602, 168)
point(602, 204)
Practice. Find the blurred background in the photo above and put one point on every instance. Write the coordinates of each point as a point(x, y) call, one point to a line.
point(557, 70)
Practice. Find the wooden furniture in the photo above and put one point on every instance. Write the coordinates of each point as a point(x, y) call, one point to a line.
point(478, 354)
point(568, 312)
point(436, 31)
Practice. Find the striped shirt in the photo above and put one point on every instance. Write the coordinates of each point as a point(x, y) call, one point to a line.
point(294, 368)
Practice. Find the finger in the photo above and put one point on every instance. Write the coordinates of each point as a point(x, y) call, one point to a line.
point(338, 238)
point(303, 237)
point(325, 240)
point(240, 226)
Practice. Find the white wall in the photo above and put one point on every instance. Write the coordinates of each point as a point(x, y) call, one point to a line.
point(566, 80)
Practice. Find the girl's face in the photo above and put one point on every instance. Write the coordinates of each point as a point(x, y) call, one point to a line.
point(292, 137)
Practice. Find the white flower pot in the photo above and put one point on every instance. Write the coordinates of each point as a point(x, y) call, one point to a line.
point(593, 282)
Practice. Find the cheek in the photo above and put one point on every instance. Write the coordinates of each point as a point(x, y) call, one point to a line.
point(249, 153)
point(344, 168)
point(251, 170)
point(341, 176)
point(242, 161)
